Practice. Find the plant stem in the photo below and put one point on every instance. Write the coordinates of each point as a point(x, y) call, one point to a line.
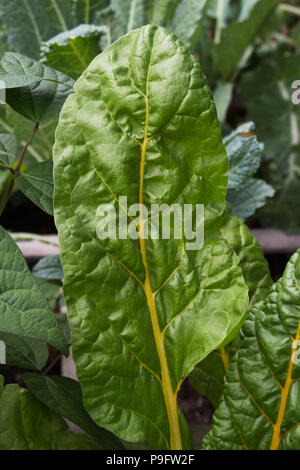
point(19, 164)
point(9, 190)
point(53, 363)
point(290, 8)
point(218, 31)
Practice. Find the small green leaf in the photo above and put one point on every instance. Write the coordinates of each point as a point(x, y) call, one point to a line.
point(37, 184)
point(245, 193)
point(64, 397)
point(33, 89)
point(72, 51)
point(40, 429)
point(23, 309)
point(8, 150)
point(49, 268)
point(222, 97)
point(260, 406)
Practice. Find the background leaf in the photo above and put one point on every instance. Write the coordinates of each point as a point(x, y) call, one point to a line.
point(64, 397)
point(33, 89)
point(23, 309)
point(37, 184)
point(40, 430)
point(49, 268)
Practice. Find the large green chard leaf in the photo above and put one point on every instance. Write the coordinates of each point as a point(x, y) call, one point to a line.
point(23, 309)
point(87, 10)
point(245, 193)
point(143, 313)
point(29, 22)
point(267, 92)
point(260, 405)
point(33, 89)
point(72, 51)
point(64, 397)
point(208, 376)
point(27, 424)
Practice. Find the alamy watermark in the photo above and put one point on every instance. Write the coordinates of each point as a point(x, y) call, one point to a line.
point(2, 93)
point(296, 92)
point(161, 222)
point(2, 352)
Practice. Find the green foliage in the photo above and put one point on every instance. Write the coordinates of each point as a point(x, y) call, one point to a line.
point(208, 376)
point(24, 352)
point(262, 387)
point(49, 268)
point(23, 309)
point(72, 51)
point(37, 184)
point(245, 193)
point(64, 397)
point(267, 91)
point(33, 89)
point(155, 103)
point(40, 430)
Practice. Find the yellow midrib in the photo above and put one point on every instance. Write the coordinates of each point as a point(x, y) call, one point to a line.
point(170, 397)
point(284, 396)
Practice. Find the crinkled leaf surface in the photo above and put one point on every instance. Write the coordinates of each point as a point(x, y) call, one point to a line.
point(23, 309)
point(34, 90)
point(37, 184)
point(245, 193)
point(208, 376)
point(64, 397)
point(49, 268)
point(260, 406)
point(143, 313)
point(27, 424)
point(72, 51)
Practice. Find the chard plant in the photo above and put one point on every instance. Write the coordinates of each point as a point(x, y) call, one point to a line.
point(143, 313)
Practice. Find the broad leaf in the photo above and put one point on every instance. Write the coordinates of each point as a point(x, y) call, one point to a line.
point(260, 406)
point(23, 309)
point(64, 397)
point(208, 376)
point(72, 51)
point(245, 193)
point(40, 429)
point(130, 14)
point(37, 184)
point(222, 97)
point(29, 22)
point(87, 10)
point(142, 124)
point(49, 268)
point(33, 89)
point(23, 352)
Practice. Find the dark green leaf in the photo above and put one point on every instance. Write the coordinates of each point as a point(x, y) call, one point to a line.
point(37, 184)
point(64, 397)
point(27, 424)
point(23, 309)
point(49, 268)
point(33, 89)
point(23, 352)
